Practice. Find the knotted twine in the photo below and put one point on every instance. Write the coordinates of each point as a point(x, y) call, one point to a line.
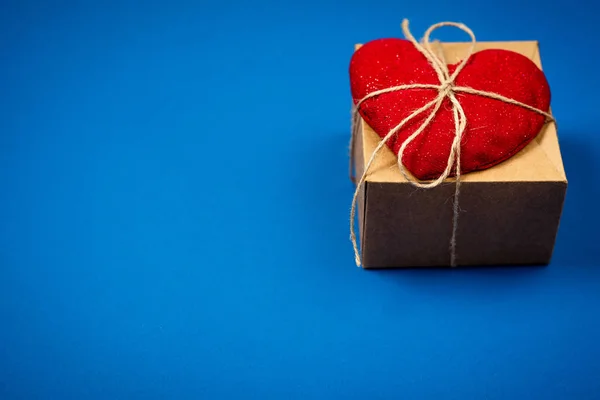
point(446, 89)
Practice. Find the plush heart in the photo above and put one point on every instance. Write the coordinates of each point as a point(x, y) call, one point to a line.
point(495, 130)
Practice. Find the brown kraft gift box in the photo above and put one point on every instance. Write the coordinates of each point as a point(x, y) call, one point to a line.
point(509, 213)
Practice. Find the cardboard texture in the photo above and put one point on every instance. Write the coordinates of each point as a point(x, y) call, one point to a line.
point(509, 213)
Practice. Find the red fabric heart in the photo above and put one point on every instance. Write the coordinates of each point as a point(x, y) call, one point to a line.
point(495, 130)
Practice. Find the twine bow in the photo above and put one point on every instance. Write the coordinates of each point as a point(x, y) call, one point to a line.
point(446, 89)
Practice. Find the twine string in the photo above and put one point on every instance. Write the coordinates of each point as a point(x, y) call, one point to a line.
point(446, 89)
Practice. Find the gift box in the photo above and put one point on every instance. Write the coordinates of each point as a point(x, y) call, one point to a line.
point(509, 213)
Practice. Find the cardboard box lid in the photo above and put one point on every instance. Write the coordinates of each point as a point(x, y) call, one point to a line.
point(540, 160)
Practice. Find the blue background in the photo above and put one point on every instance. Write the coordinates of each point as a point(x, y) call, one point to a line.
point(174, 204)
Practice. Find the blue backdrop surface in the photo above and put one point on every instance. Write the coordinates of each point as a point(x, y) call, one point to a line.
point(174, 203)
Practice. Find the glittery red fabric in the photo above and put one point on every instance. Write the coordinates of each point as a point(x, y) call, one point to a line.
point(495, 130)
